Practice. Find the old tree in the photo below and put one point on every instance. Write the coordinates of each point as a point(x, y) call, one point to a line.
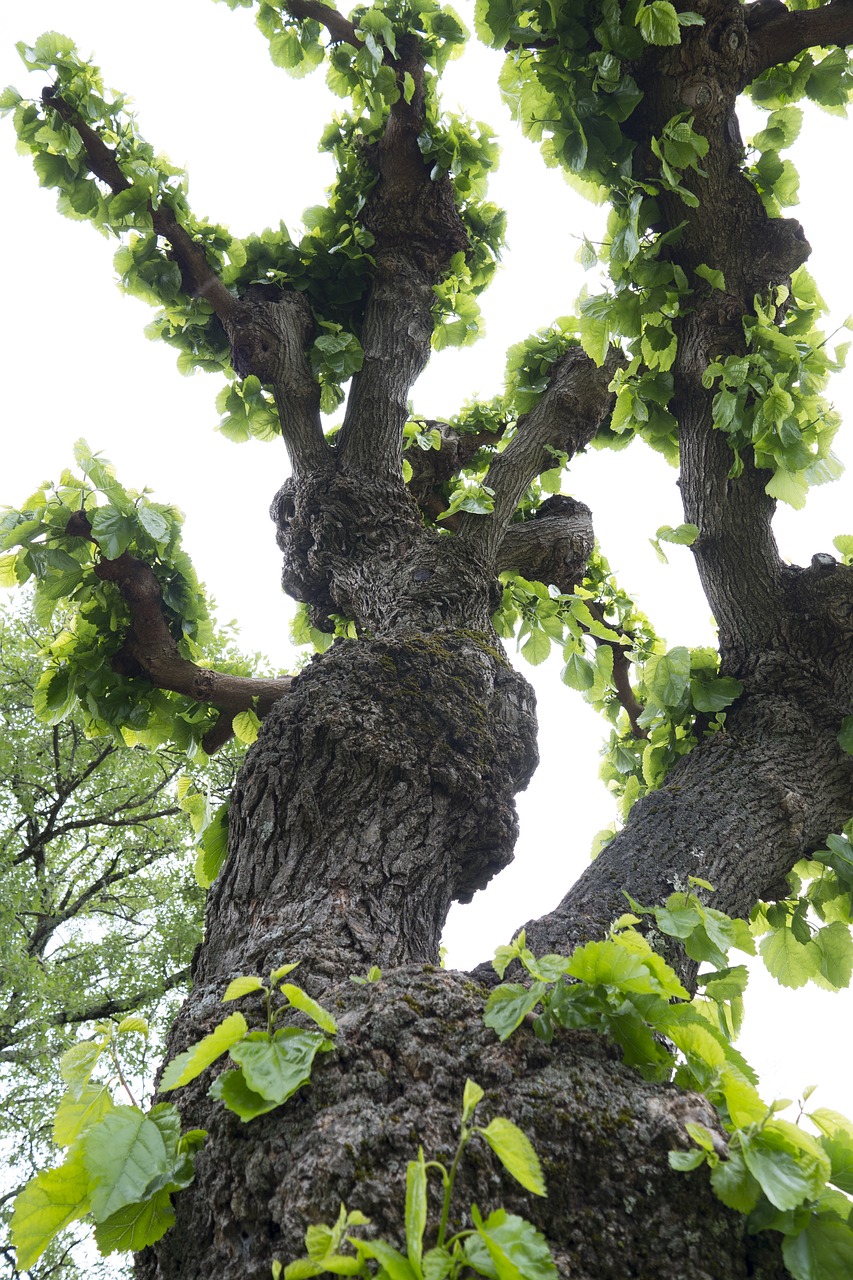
point(381, 785)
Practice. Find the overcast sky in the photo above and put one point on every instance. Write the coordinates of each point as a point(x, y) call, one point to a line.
point(77, 364)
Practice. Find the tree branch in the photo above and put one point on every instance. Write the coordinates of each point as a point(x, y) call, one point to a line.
point(151, 651)
point(108, 1008)
point(270, 339)
point(553, 547)
point(571, 410)
point(777, 34)
point(339, 28)
point(201, 279)
point(417, 230)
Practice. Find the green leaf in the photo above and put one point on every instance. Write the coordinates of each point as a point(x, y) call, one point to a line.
point(715, 278)
point(509, 1247)
point(242, 987)
point(112, 531)
point(833, 947)
point(658, 23)
point(684, 1161)
point(683, 534)
point(77, 1063)
point(734, 1184)
point(123, 1154)
point(394, 1265)
point(667, 677)
point(309, 1007)
point(790, 963)
point(276, 1068)
point(508, 1005)
point(136, 1225)
point(246, 725)
point(471, 1099)
point(537, 647)
point(416, 1209)
point(516, 1153)
point(578, 673)
point(193, 1061)
point(79, 1110)
point(233, 1092)
point(823, 1251)
point(714, 695)
point(47, 1204)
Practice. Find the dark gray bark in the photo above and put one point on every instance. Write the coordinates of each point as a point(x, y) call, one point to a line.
point(382, 785)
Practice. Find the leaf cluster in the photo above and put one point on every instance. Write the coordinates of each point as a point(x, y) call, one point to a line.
point(271, 1065)
point(501, 1245)
point(782, 1177)
point(121, 1164)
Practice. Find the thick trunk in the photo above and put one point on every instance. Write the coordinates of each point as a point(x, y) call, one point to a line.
point(405, 1046)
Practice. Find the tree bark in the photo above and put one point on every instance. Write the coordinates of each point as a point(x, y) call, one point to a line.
point(381, 787)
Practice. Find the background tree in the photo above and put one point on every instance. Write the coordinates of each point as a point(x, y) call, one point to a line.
point(356, 821)
point(100, 913)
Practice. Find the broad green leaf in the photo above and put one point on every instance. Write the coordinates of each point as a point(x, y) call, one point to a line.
point(516, 1153)
point(508, 1005)
point(684, 1161)
point(47, 1204)
point(193, 1061)
point(233, 1092)
point(823, 1251)
point(790, 963)
point(683, 534)
point(734, 1184)
point(437, 1264)
point(833, 947)
point(537, 647)
point(133, 1023)
point(242, 987)
point(509, 1247)
point(276, 1068)
point(77, 1063)
point(79, 1110)
point(136, 1225)
point(112, 531)
point(667, 677)
point(416, 1209)
point(839, 1147)
point(123, 1154)
point(309, 1007)
point(715, 278)
point(578, 673)
point(658, 23)
point(714, 695)
point(246, 725)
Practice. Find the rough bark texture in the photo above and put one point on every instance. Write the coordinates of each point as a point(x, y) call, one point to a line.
point(615, 1210)
point(382, 786)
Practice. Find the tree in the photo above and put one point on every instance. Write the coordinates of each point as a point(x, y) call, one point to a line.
point(382, 784)
point(99, 918)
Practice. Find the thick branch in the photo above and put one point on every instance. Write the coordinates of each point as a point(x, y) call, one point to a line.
point(150, 649)
point(567, 417)
point(417, 230)
point(553, 547)
point(777, 34)
point(339, 28)
point(199, 276)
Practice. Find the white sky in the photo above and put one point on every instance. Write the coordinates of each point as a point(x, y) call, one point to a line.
point(77, 364)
